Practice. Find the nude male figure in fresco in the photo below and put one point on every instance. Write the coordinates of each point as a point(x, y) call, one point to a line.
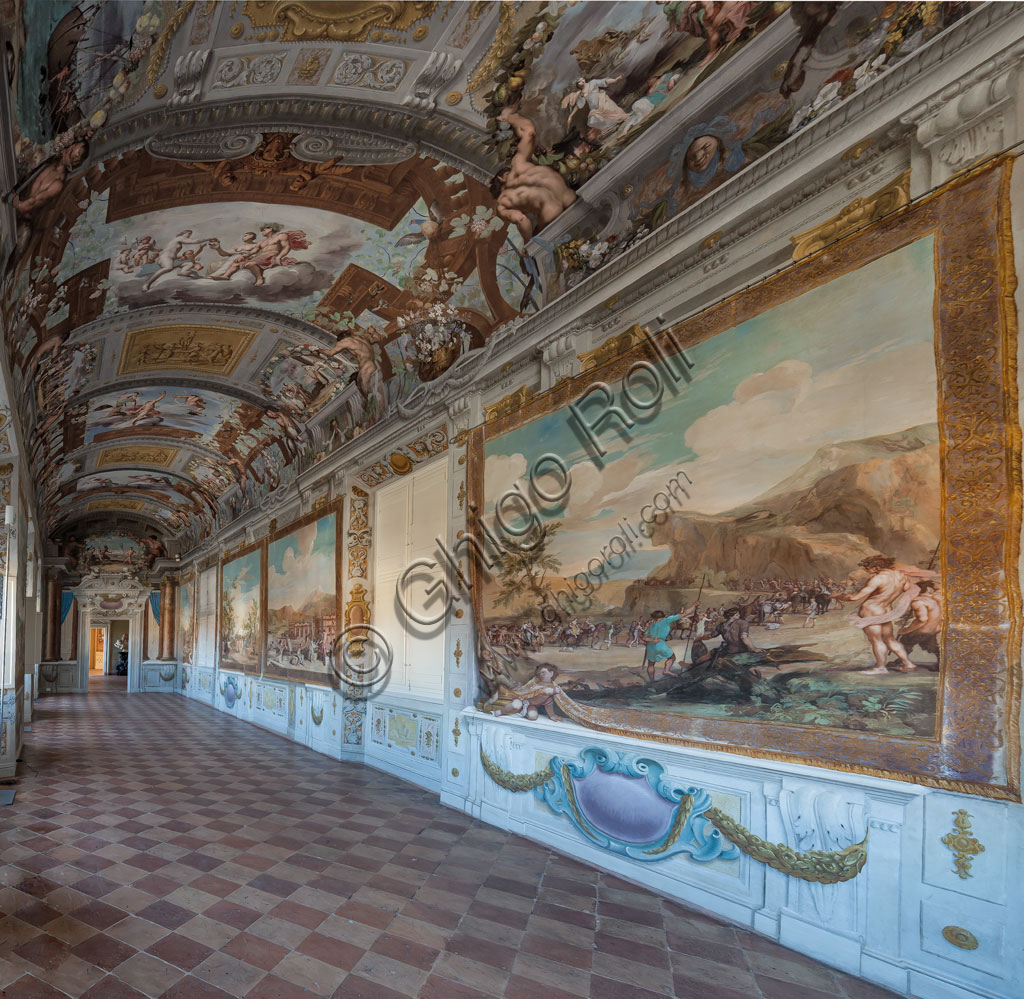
point(885, 598)
point(528, 187)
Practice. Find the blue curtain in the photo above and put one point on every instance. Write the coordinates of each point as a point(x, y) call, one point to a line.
point(154, 602)
point(66, 600)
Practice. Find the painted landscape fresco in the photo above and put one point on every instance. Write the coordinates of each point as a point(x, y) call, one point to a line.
point(186, 618)
point(302, 601)
point(779, 511)
point(241, 631)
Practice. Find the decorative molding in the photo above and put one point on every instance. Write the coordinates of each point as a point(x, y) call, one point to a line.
point(613, 347)
point(209, 129)
point(403, 459)
point(959, 937)
point(697, 827)
point(303, 21)
point(438, 71)
point(509, 403)
point(188, 76)
point(248, 70)
point(970, 119)
point(816, 865)
point(357, 613)
point(558, 360)
point(962, 844)
point(857, 214)
point(365, 71)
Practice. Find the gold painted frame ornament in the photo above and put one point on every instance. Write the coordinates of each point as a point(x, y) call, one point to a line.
point(304, 20)
point(976, 748)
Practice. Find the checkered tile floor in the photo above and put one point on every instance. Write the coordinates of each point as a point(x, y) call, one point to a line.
point(160, 848)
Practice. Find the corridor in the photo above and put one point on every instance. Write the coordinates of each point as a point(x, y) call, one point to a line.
point(159, 848)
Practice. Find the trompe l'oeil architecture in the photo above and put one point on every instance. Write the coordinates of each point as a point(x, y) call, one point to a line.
point(601, 416)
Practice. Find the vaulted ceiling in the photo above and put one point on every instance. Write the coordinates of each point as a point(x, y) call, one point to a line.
point(245, 230)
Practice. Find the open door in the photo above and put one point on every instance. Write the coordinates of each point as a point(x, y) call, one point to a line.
point(97, 651)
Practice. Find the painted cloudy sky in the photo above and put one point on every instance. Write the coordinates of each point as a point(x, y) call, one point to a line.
point(849, 360)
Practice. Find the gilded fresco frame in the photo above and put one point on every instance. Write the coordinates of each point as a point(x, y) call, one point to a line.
point(226, 560)
point(336, 509)
point(976, 749)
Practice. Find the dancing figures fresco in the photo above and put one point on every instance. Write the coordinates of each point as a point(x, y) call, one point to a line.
point(766, 544)
point(302, 600)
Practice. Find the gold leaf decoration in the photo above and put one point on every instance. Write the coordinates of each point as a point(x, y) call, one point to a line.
point(963, 845)
point(303, 20)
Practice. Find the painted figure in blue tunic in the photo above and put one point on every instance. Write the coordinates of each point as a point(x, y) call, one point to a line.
point(657, 648)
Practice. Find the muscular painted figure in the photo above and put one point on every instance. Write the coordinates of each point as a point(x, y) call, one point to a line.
point(360, 345)
point(528, 188)
point(885, 597)
point(50, 180)
point(923, 631)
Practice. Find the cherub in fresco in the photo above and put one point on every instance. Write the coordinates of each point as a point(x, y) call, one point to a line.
point(170, 257)
point(50, 179)
point(195, 404)
point(885, 598)
point(127, 411)
point(124, 260)
point(538, 693)
point(145, 252)
point(526, 188)
point(190, 266)
point(604, 116)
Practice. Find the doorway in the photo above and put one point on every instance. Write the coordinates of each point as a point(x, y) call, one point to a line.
point(97, 651)
point(118, 653)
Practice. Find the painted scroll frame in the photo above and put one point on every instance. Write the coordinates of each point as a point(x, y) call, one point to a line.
point(976, 748)
point(252, 559)
point(332, 578)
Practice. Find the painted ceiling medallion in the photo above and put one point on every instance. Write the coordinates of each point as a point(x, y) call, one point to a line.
point(338, 22)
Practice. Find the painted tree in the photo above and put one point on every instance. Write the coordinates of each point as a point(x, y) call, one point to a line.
point(227, 616)
point(251, 626)
point(524, 569)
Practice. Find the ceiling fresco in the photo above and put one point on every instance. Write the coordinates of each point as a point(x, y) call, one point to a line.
point(246, 231)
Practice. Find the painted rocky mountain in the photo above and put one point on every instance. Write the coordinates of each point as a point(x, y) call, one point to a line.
point(857, 498)
point(317, 605)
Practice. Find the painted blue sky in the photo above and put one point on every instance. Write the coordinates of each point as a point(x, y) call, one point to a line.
point(849, 360)
point(242, 582)
point(300, 563)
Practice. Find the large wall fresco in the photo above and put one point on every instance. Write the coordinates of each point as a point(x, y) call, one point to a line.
point(302, 600)
point(775, 554)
